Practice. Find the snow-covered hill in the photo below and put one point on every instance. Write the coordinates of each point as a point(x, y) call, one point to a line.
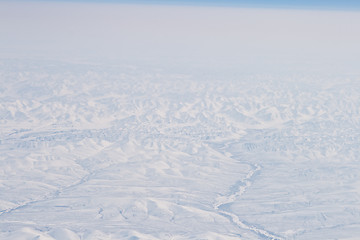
point(126, 152)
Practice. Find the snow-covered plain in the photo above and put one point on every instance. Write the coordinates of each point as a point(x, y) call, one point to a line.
point(134, 150)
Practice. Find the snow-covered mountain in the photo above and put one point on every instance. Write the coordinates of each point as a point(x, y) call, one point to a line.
point(94, 152)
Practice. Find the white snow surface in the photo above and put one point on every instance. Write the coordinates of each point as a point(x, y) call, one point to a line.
point(168, 122)
point(95, 152)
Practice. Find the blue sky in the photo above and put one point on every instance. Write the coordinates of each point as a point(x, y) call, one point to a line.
point(304, 4)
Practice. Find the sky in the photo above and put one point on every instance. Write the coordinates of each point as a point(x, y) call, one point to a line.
point(211, 36)
point(290, 4)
